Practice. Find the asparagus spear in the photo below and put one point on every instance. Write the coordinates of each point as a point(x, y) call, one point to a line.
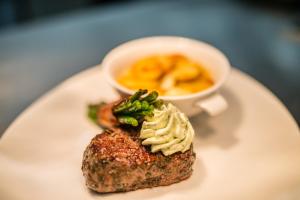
point(137, 95)
point(151, 97)
point(128, 120)
point(122, 106)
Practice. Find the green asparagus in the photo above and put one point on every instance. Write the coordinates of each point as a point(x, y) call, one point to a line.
point(132, 110)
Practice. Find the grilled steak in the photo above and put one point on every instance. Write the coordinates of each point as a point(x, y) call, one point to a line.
point(116, 161)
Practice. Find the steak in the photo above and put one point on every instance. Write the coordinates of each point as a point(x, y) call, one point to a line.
point(116, 161)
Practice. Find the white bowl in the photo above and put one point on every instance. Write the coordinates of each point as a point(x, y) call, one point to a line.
point(211, 58)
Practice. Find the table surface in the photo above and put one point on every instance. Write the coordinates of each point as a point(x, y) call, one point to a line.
point(37, 56)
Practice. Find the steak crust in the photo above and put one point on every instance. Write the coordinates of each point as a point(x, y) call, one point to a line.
point(116, 161)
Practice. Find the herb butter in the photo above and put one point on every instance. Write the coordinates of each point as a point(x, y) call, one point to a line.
point(168, 130)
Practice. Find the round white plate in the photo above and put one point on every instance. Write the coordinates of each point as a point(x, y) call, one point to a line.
point(251, 151)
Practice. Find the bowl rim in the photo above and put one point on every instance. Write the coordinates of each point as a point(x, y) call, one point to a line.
point(111, 80)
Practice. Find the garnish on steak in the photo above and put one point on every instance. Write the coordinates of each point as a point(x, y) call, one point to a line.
point(132, 110)
point(117, 160)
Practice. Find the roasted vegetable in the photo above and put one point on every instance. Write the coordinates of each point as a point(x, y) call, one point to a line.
point(93, 110)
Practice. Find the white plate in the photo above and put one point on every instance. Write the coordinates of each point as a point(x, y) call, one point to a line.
point(252, 151)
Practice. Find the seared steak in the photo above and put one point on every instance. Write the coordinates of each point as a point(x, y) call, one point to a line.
point(116, 161)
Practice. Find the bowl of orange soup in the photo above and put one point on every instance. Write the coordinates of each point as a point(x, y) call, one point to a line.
point(185, 72)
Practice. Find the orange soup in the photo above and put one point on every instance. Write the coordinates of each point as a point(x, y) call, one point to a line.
point(168, 74)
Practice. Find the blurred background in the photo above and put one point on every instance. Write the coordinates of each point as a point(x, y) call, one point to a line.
point(43, 42)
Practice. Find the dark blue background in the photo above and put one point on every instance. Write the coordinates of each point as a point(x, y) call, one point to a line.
point(36, 56)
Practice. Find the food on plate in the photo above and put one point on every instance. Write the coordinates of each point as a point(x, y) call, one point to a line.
point(168, 130)
point(146, 143)
point(116, 161)
point(172, 75)
point(133, 110)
